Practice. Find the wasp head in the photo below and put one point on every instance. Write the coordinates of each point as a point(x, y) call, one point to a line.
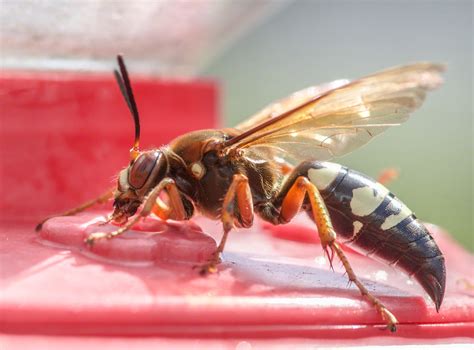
point(136, 181)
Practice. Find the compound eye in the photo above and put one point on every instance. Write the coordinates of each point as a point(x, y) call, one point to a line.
point(141, 169)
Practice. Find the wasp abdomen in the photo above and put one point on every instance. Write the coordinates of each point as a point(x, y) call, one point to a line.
point(372, 219)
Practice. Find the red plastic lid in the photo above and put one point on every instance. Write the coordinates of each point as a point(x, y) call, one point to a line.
point(274, 288)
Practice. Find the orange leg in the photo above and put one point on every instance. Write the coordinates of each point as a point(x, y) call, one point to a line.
point(101, 199)
point(174, 210)
point(285, 168)
point(292, 204)
point(149, 202)
point(161, 209)
point(388, 175)
point(238, 194)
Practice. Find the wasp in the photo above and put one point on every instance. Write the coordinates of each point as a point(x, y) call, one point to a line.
point(275, 165)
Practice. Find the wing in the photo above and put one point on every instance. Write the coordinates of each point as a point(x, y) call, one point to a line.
point(288, 103)
point(342, 119)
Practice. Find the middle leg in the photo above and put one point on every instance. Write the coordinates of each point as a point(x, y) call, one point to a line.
point(237, 203)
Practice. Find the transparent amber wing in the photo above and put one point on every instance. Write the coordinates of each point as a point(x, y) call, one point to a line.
point(288, 103)
point(342, 119)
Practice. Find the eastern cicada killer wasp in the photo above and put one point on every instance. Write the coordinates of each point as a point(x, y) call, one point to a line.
point(275, 165)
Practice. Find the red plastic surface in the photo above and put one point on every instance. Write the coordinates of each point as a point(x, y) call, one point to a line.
point(65, 136)
point(274, 288)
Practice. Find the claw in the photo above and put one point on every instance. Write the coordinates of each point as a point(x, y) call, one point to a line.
point(108, 219)
point(209, 267)
point(206, 269)
point(96, 236)
point(89, 241)
point(390, 319)
point(329, 255)
point(392, 327)
point(39, 226)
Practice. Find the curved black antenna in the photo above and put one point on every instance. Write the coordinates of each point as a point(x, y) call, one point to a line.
point(118, 77)
point(123, 82)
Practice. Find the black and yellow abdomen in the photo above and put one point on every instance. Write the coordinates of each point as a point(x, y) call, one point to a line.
point(373, 220)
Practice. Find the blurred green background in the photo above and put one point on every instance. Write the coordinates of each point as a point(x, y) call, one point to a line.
point(310, 42)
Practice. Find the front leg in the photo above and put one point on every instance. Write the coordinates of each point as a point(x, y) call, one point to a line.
point(238, 200)
point(150, 203)
point(99, 200)
point(291, 205)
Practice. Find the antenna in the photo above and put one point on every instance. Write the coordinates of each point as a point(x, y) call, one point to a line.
point(123, 82)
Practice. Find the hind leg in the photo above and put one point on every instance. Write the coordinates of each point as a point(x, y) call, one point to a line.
point(291, 203)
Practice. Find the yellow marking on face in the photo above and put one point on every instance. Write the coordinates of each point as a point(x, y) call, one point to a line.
point(123, 180)
point(323, 177)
